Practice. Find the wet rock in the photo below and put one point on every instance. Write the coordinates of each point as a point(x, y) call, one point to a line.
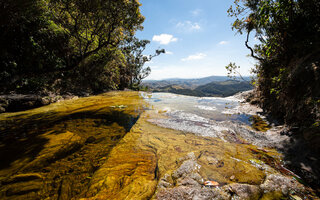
point(175, 193)
point(3, 105)
point(51, 143)
point(21, 102)
point(276, 183)
point(165, 181)
point(196, 177)
point(22, 186)
point(164, 184)
point(212, 160)
point(245, 191)
point(208, 194)
point(18, 102)
point(21, 189)
point(2, 109)
point(208, 159)
point(58, 146)
point(187, 167)
point(22, 177)
point(189, 156)
point(188, 181)
point(65, 190)
point(190, 193)
point(90, 140)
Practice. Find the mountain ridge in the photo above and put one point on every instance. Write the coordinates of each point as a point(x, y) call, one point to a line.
point(220, 86)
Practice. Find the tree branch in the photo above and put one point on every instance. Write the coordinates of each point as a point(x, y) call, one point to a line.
point(252, 52)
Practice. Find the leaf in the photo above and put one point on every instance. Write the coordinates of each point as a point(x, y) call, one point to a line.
point(211, 183)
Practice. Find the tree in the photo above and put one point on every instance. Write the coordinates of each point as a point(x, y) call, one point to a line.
point(287, 55)
point(94, 25)
point(51, 43)
point(28, 41)
point(135, 60)
point(282, 26)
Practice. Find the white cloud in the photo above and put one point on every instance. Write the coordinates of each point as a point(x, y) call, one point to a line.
point(188, 26)
point(197, 56)
point(169, 52)
point(164, 38)
point(223, 42)
point(196, 12)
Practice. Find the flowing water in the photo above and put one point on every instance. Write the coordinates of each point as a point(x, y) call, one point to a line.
point(130, 145)
point(223, 118)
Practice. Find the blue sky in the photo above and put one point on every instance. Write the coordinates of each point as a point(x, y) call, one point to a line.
point(196, 35)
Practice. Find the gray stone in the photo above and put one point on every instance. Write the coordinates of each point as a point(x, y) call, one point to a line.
point(277, 182)
point(245, 191)
point(195, 176)
point(165, 181)
point(188, 182)
point(191, 193)
point(2, 109)
point(187, 167)
point(164, 184)
point(189, 156)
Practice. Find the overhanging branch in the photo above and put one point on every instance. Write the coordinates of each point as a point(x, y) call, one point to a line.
point(252, 52)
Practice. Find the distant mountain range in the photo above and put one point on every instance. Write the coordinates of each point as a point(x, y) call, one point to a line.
point(218, 86)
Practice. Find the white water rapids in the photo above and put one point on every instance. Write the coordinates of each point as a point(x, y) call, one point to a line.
point(224, 118)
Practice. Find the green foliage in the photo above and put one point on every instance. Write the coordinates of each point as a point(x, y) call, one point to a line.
point(133, 52)
point(282, 26)
point(94, 26)
point(233, 71)
point(70, 46)
point(287, 55)
point(225, 88)
point(27, 40)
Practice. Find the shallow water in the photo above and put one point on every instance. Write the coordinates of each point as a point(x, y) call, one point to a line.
point(52, 151)
point(223, 118)
point(130, 145)
point(210, 108)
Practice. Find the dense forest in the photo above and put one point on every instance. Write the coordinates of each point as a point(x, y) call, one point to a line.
point(71, 46)
point(288, 71)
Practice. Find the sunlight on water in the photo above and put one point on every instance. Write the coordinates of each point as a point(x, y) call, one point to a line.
point(211, 108)
point(130, 145)
point(222, 118)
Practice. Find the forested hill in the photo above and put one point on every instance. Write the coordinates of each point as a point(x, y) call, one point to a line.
point(71, 46)
point(217, 86)
point(190, 81)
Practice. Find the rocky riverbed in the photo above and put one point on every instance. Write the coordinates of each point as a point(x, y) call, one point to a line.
point(129, 145)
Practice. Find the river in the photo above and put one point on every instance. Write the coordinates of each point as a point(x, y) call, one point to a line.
point(131, 145)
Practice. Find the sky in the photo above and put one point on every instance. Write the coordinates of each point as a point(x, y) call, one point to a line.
point(197, 37)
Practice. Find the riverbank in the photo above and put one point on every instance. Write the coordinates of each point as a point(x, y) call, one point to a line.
point(21, 102)
point(300, 148)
